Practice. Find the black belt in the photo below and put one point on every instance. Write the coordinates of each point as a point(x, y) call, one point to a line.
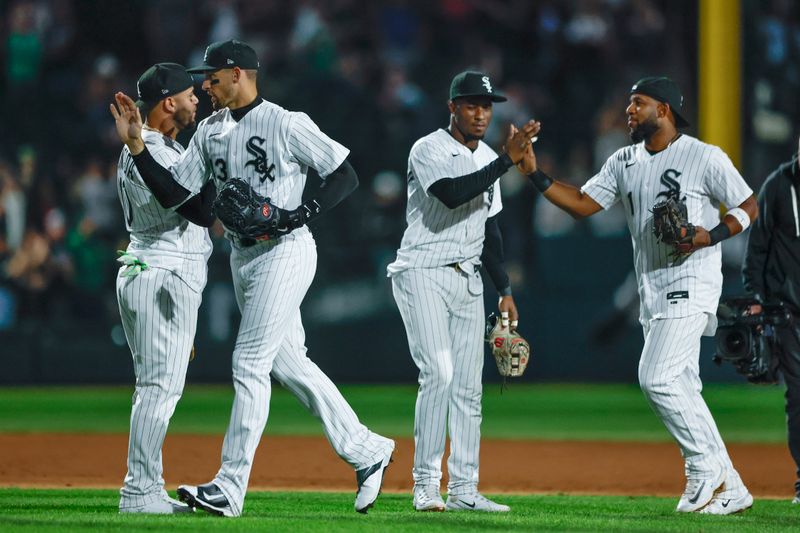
point(457, 267)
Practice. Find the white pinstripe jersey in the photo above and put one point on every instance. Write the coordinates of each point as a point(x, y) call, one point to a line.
point(437, 235)
point(160, 237)
point(705, 176)
point(270, 148)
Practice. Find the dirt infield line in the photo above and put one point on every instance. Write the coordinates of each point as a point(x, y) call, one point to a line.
point(309, 463)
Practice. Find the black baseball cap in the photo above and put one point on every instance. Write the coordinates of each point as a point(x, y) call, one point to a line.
point(473, 83)
point(664, 90)
point(227, 54)
point(159, 81)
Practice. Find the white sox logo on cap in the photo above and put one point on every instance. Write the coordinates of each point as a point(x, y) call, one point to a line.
point(487, 83)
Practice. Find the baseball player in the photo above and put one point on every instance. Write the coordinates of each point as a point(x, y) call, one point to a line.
point(159, 286)
point(453, 204)
point(678, 292)
point(271, 148)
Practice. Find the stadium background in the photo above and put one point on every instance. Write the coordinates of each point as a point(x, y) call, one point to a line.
point(374, 75)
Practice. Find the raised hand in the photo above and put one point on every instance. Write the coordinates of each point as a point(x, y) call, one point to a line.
point(518, 140)
point(128, 122)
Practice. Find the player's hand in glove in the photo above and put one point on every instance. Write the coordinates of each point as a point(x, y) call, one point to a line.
point(511, 352)
point(671, 226)
point(251, 216)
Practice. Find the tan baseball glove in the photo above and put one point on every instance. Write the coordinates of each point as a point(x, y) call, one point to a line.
point(511, 352)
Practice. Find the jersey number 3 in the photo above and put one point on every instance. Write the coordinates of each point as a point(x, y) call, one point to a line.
point(221, 170)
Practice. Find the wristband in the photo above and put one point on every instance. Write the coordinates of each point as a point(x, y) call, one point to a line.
point(505, 292)
point(540, 180)
point(741, 216)
point(719, 233)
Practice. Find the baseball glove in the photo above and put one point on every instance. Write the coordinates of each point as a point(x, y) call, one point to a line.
point(511, 352)
point(248, 214)
point(671, 224)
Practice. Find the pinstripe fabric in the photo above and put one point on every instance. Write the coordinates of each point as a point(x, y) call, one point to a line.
point(437, 235)
point(158, 309)
point(706, 177)
point(669, 376)
point(442, 308)
point(223, 148)
point(272, 149)
point(442, 311)
point(161, 237)
point(678, 297)
point(159, 315)
point(271, 280)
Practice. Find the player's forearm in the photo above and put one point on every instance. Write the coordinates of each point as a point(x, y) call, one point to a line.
point(735, 221)
point(159, 180)
point(198, 208)
point(337, 186)
point(135, 145)
point(571, 199)
point(454, 192)
point(493, 258)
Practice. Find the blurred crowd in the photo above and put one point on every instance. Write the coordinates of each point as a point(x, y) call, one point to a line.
point(373, 74)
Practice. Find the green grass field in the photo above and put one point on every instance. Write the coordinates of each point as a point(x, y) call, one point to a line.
point(574, 412)
point(80, 510)
point(744, 413)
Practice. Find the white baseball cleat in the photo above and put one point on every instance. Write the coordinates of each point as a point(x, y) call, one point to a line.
point(474, 502)
point(699, 492)
point(427, 498)
point(369, 482)
point(207, 497)
point(732, 498)
point(166, 505)
point(796, 500)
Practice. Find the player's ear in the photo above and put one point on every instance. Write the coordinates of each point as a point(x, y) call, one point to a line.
point(451, 106)
point(168, 105)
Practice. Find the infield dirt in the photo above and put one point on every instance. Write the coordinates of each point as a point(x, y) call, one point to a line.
point(50, 460)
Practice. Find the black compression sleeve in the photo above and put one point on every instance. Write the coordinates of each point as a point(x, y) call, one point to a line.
point(158, 179)
point(454, 192)
point(493, 258)
point(197, 209)
point(335, 188)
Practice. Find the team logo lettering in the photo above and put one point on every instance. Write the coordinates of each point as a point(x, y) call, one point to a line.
point(490, 190)
point(669, 179)
point(259, 160)
point(487, 83)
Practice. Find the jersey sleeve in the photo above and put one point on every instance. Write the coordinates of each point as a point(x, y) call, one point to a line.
point(311, 147)
point(603, 187)
point(192, 170)
point(497, 201)
point(429, 163)
point(723, 182)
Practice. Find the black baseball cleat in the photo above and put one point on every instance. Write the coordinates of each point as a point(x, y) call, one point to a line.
point(207, 497)
point(369, 482)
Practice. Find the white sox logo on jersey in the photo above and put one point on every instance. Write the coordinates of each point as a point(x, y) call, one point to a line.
point(260, 159)
point(669, 179)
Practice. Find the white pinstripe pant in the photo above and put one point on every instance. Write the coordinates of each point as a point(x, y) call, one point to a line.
point(159, 315)
point(669, 376)
point(271, 280)
point(442, 310)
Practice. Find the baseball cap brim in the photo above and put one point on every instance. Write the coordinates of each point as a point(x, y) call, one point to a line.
point(493, 97)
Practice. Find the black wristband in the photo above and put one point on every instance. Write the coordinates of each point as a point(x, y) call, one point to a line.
point(719, 233)
point(540, 180)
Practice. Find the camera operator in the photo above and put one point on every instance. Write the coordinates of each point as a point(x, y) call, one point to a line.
point(772, 272)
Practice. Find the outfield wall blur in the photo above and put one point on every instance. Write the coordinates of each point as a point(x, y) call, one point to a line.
point(569, 305)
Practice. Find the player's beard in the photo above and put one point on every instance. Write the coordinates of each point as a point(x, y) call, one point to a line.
point(468, 137)
point(644, 130)
point(184, 119)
